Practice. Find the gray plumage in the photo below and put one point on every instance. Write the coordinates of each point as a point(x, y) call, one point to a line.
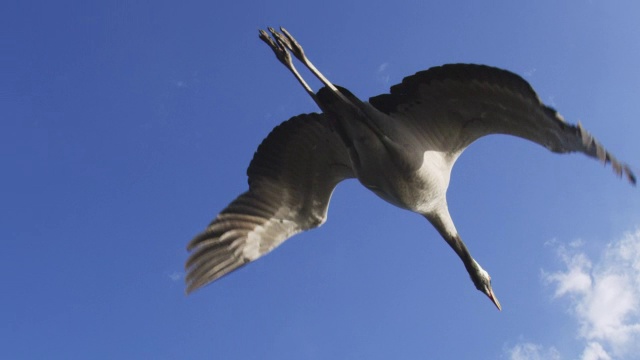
point(400, 145)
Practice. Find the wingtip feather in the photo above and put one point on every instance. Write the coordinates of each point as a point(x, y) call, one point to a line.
point(630, 175)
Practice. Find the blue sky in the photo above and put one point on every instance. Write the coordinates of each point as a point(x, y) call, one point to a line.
point(127, 127)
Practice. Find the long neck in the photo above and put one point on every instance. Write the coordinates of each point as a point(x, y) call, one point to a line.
point(442, 221)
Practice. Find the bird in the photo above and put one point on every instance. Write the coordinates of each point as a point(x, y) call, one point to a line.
point(402, 146)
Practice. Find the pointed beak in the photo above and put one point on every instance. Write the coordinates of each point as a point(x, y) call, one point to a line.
point(494, 299)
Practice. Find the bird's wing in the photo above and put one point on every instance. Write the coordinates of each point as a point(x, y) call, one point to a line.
point(291, 179)
point(459, 103)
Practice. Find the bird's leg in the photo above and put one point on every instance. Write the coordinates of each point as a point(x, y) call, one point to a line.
point(442, 221)
point(279, 47)
point(298, 52)
point(292, 44)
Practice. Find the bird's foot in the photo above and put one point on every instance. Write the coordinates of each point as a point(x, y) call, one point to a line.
point(281, 45)
point(282, 42)
point(291, 44)
point(278, 46)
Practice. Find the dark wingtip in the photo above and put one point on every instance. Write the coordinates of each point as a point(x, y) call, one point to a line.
point(621, 169)
point(190, 289)
point(630, 176)
point(603, 155)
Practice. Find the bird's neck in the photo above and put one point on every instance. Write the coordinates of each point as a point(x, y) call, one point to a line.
point(442, 221)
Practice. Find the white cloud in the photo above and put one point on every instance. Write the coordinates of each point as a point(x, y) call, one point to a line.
point(531, 351)
point(604, 296)
point(175, 276)
point(551, 101)
point(594, 351)
point(576, 279)
point(382, 74)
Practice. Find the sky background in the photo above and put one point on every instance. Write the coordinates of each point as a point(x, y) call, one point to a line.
point(126, 127)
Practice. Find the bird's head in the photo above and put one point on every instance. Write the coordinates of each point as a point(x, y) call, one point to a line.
point(482, 281)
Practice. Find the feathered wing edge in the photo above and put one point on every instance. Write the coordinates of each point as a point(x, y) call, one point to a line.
point(478, 100)
point(592, 147)
point(291, 179)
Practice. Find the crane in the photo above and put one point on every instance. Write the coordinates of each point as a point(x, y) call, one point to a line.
point(401, 145)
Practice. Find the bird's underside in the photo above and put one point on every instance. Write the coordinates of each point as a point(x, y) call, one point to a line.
point(400, 145)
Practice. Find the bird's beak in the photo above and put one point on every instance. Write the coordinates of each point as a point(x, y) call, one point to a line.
point(494, 299)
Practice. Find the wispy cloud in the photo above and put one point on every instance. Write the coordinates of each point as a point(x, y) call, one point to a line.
point(381, 73)
point(531, 351)
point(595, 351)
point(175, 276)
point(551, 101)
point(576, 279)
point(604, 296)
point(191, 81)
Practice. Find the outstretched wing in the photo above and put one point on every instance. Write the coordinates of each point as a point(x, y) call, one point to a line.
point(291, 179)
point(460, 103)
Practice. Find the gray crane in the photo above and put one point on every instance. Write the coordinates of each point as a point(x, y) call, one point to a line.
point(401, 145)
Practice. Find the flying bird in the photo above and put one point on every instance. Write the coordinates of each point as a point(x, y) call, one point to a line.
point(401, 145)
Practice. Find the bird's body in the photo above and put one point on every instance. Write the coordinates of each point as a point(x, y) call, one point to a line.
point(416, 174)
point(402, 146)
